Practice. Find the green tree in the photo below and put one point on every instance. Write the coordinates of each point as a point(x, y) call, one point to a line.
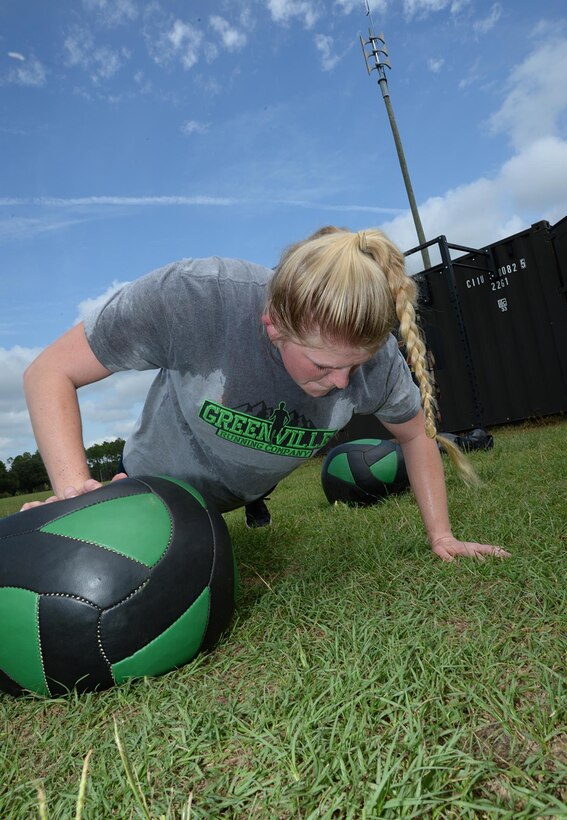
point(104, 458)
point(7, 484)
point(28, 473)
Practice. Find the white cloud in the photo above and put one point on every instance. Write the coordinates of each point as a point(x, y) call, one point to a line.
point(86, 307)
point(435, 64)
point(232, 39)
point(329, 57)
point(195, 127)
point(283, 11)
point(529, 187)
point(420, 8)
point(113, 12)
point(111, 407)
point(208, 84)
point(536, 178)
point(458, 5)
point(18, 228)
point(29, 71)
point(15, 428)
point(141, 201)
point(172, 40)
point(411, 8)
point(536, 95)
point(100, 62)
point(473, 75)
point(185, 42)
point(548, 29)
point(52, 214)
point(356, 5)
point(142, 82)
point(487, 23)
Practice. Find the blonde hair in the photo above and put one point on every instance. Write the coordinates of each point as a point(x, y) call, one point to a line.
point(352, 289)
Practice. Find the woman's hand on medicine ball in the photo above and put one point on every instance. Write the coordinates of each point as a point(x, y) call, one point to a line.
point(72, 492)
point(448, 548)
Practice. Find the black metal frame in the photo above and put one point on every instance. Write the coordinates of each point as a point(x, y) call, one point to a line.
point(448, 267)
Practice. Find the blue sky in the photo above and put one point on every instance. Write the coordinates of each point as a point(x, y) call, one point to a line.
point(135, 133)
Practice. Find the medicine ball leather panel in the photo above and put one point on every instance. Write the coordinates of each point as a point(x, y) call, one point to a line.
point(173, 584)
point(39, 516)
point(56, 564)
point(222, 583)
point(69, 637)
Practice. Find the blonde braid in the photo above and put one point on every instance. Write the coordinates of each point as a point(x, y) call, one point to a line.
point(404, 294)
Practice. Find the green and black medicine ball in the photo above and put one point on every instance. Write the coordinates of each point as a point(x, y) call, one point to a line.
point(131, 580)
point(363, 472)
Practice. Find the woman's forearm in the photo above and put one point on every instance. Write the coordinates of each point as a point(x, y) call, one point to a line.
point(50, 386)
point(56, 421)
point(426, 474)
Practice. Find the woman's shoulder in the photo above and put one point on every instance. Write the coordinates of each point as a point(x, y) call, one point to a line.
point(224, 269)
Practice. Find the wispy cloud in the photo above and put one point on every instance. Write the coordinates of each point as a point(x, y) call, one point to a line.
point(195, 127)
point(87, 201)
point(326, 206)
point(435, 64)
point(536, 95)
point(487, 23)
point(176, 41)
point(232, 38)
point(149, 201)
point(15, 427)
point(18, 228)
point(284, 11)
point(87, 306)
point(421, 8)
point(411, 8)
point(112, 12)
point(26, 71)
point(58, 214)
point(347, 6)
point(325, 46)
point(100, 62)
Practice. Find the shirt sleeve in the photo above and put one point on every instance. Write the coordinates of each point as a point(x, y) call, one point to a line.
point(399, 398)
point(403, 399)
point(149, 323)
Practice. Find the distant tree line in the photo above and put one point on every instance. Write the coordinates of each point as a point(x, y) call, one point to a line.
point(27, 473)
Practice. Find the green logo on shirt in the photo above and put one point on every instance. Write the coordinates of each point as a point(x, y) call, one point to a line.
point(272, 435)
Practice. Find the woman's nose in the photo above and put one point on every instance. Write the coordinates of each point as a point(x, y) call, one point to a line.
point(339, 378)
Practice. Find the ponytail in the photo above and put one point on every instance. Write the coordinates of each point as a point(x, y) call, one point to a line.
point(404, 294)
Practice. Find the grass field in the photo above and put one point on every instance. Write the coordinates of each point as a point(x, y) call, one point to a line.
point(362, 677)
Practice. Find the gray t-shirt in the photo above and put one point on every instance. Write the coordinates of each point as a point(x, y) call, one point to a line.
point(222, 412)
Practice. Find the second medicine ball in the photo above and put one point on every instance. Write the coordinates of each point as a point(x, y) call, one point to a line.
point(364, 471)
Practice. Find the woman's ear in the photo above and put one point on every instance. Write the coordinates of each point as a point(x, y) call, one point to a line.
point(271, 330)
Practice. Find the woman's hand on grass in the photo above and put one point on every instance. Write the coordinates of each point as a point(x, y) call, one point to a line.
point(71, 492)
point(448, 548)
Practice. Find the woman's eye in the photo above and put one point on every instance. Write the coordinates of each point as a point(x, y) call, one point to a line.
point(321, 367)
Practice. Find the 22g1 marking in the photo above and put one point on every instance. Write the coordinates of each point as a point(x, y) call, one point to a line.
point(503, 271)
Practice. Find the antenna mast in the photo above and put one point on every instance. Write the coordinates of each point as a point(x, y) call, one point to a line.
point(376, 59)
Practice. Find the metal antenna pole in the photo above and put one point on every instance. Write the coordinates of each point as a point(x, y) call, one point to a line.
point(379, 55)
